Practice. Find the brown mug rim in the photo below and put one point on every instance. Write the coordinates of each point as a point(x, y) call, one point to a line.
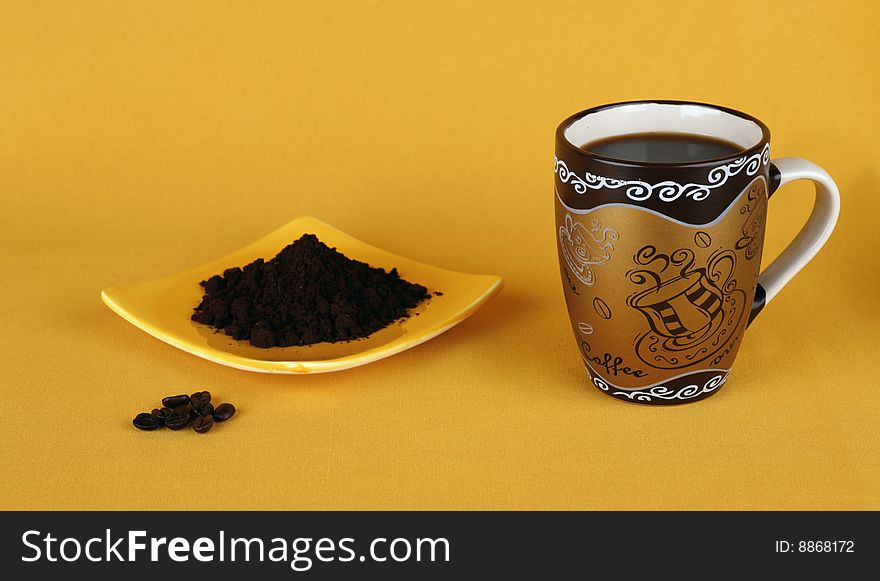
point(568, 121)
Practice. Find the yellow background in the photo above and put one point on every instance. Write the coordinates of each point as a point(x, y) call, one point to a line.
point(140, 139)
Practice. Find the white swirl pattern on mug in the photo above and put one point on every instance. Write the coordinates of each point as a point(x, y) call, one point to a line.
point(667, 191)
point(662, 392)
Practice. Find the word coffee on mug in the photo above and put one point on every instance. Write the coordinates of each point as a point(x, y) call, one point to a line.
point(660, 214)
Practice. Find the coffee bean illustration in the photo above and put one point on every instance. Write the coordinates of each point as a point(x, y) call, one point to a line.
point(602, 308)
point(702, 239)
point(585, 328)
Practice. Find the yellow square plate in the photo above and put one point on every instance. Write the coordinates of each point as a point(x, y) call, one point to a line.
point(162, 307)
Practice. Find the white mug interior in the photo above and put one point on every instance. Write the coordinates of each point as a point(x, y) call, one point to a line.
point(647, 117)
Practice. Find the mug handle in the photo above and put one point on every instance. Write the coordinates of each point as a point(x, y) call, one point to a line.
point(812, 236)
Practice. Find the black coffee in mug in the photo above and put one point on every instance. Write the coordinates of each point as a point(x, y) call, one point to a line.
point(660, 222)
point(662, 147)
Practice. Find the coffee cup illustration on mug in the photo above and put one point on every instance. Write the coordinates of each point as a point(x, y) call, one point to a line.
point(661, 208)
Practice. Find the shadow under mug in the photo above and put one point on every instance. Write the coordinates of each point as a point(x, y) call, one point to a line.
point(660, 262)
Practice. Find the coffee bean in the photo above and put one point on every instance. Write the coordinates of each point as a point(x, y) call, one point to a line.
point(176, 421)
point(224, 411)
point(203, 424)
point(602, 308)
point(161, 415)
point(200, 398)
point(173, 401)
point(145, 421)
point(178, 411)
point(702, 239)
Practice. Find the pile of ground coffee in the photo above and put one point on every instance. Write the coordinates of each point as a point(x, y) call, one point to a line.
point(308, 293)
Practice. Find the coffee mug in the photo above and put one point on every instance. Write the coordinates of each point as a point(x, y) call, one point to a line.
point(660, 260)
